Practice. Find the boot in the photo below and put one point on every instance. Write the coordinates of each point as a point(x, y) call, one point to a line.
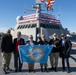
point(41, 69)
point(55, 69)
point(52, 68)
point(4, 71)
point(8, 69)
point(46, 69)
point(16, 70)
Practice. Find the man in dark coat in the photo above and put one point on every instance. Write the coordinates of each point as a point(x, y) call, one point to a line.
point(31, 42)
point(55, 52)
point(17, 41)
point(65, 51)
point(7, 48)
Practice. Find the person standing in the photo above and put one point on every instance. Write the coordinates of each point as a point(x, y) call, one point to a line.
point(55, 52)
point(43, 42)
point(31, 42)
point(0, 41)
point(17, 41)
point(7, 48)
point(65, 51)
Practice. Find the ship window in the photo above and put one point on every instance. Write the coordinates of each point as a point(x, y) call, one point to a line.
point(54, 26)
point(18, 27)
point(42, 25)
point(47, 26)
point(51, 26)
point(33, 26)
point(23, 26)
point(26, 26)
point(57, 27)
point(29, 25)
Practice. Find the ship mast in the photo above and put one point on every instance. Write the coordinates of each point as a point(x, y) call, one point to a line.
point(38, 10)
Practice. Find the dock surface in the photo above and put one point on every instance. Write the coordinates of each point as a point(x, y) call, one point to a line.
point(72, 61)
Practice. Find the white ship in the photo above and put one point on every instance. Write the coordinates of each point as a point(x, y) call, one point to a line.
point(37, 24)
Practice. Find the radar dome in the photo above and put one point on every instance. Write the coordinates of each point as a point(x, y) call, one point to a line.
point(19, 18)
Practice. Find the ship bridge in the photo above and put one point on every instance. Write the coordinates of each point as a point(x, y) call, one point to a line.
point(37, 24)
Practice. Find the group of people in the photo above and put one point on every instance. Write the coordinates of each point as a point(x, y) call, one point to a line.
point(61, 48)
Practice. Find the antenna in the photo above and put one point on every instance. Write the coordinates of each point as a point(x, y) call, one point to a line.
point(38, 2)
point(59, 14)
point(36, 7)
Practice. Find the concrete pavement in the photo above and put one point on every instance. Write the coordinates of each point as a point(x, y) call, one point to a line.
point(37, 67)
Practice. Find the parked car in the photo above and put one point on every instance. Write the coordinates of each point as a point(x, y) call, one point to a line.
point(73, 43)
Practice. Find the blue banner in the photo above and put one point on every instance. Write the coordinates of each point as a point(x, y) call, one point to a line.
point(34, 53)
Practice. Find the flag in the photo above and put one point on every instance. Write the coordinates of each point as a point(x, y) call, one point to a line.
point(48, 0)
point(49, 7)
point(42, 0)
point(49, 4)
point(34, 53)
point(51, 1)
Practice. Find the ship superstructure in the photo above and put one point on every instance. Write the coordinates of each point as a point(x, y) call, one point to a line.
point(37, 24)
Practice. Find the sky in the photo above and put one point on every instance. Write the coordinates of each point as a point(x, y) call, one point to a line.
point(10, 9)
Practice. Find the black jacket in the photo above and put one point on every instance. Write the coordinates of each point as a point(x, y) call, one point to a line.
point(55, 42)
point(28, 42)
point(43, 43)
point(66, 48)
point(6, 44)
point(22, 42)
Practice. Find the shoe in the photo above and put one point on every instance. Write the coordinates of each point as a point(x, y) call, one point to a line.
point(20, 70)
point(46, 69)
point(29, 71)
point(16, 70)
point(8, 69)
point(34, 71)
point(4, 71)
point(51, 68)
point(55, 69)
point(68, 71)
point(63, 69)
point(41, 69)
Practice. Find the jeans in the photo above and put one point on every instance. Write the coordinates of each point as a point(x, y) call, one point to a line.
point(65, 58)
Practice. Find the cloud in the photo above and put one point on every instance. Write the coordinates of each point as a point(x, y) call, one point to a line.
point(3, 29)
